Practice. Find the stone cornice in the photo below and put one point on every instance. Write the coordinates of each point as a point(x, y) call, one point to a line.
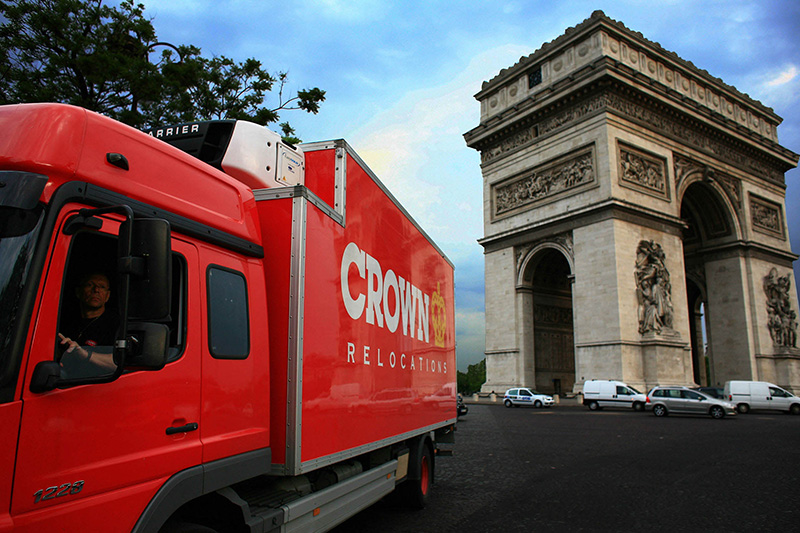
point(608, 94)
point(591, 214)
point(602, 36)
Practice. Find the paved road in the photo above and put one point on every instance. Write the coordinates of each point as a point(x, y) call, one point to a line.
point(568, 469)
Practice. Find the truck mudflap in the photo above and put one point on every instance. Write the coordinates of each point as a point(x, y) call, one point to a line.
point(325, 509)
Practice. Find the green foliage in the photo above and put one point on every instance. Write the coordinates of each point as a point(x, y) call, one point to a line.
point(473, 379)
point(109, 60)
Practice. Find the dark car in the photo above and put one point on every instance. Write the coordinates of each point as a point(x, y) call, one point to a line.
point(462, 409)
point(714, 392)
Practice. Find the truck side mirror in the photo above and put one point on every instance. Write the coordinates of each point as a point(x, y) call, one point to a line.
point(149, 346)
point(150, 266)
point(46, 376)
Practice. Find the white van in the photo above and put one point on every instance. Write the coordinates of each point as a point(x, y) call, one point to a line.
point(746, 395)
point(599, 393)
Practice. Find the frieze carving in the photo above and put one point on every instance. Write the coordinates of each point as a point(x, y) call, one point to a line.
point(653, 288)
point(635, 111)
point(691, 137)
point(543, 182)
point(643, 171)
point(782, 319)
point(766, 217)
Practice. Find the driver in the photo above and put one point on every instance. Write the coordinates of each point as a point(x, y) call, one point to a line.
point(95, 327)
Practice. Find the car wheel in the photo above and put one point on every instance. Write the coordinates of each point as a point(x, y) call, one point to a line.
point(638, 406)
point(659, 410)
point(743, 408)
point(593, 406)
point(717, 412)
point(795, 409)
point(508, 403)
point(537, 404)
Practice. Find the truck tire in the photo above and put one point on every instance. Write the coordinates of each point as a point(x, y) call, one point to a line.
point(416, 490)
point(593, 406)
point(743, 408)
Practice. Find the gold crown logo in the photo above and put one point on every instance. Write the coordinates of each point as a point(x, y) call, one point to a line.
point(438, 318)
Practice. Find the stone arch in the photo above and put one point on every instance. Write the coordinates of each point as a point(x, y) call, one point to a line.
point(531, 258)
point(712, 217)
point(544, 294)
point(714, 202)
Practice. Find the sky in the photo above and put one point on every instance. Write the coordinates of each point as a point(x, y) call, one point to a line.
point(400, 79)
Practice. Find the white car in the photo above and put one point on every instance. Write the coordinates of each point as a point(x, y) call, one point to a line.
point(523, 396)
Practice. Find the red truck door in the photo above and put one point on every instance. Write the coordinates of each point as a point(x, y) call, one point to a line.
point(91, 457)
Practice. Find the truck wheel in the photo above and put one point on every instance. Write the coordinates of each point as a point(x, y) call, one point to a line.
point(717, 412)
point(537, 404)
point(418, 490)
point(593, 406)
point(743, 408)
point(638, 406)
point(507, 403)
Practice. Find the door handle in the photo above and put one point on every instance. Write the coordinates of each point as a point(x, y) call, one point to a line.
point(182, 429)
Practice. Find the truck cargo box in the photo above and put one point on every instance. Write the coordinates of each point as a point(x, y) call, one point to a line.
point(361, 311)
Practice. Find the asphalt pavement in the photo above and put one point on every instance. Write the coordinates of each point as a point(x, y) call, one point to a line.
point(568, 469)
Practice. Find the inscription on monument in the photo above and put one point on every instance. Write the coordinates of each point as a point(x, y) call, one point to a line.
point(548, 180)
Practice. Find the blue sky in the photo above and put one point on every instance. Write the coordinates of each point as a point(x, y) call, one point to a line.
point(400, 79)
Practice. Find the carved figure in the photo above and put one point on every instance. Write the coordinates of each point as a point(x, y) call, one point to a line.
point(653, 288)
point(781, 319)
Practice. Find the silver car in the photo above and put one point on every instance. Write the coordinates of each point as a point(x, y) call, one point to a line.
point(666, 400)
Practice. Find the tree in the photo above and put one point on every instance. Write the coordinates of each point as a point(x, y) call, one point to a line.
point(85, 53)
point(473, 379)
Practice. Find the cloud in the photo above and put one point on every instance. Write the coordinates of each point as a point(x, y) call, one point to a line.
point(785, 76)
point(416, 148)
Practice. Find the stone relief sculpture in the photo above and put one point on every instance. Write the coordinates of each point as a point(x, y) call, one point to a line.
point(542, 183)
point(653, 288)
point(782, 319)
point(766, 217)
point(642, 171)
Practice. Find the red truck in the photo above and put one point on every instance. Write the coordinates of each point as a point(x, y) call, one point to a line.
point(283, 353)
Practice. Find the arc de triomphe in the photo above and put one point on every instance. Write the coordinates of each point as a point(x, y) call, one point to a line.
point(634, 221)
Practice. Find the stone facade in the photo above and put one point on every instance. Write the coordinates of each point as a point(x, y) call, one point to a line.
point(630, 198)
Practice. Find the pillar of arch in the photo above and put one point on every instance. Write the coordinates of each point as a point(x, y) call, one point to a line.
point(659, 192)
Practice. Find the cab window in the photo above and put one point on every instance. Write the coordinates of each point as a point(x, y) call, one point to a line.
point(89, 308)
point(229, 325)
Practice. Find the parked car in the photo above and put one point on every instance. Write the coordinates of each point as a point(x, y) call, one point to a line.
point(599, 393)
point(748, 395)
point(714, 392)
point(524, 396)
point(461, 409)
point(663, 401)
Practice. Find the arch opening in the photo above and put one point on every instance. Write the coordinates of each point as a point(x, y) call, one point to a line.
point(553, 329)
point(709, 222)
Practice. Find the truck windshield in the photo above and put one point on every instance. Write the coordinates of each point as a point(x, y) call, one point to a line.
point(19, 229)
